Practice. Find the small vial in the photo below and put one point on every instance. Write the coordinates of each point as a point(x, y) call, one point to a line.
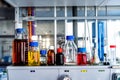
point(59, 57)
point(43, 60)
point(51, 56)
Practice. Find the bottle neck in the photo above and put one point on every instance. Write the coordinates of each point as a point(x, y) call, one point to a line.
point(71, 43)
point(34, 48)
point(20, 36)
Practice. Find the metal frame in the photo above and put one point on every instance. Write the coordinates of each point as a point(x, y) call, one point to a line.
point(65, 18)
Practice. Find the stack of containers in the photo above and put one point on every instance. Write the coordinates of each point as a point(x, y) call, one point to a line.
point(34, 53)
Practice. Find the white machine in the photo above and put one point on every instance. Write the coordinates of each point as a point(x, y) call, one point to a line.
point(62, 73)
point(115, 73)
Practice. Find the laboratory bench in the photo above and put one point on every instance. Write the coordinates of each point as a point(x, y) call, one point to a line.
point(63, 72)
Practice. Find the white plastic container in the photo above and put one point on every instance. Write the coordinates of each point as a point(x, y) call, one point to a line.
point(112, 54)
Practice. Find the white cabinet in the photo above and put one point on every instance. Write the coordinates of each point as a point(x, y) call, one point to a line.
point(32, 73)
point(86, 73)
point(58, 73)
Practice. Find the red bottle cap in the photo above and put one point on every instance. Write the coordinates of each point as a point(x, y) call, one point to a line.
point(112, 46)
point(59, 50)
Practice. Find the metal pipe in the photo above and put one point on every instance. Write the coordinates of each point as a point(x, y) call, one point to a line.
point(65, 23)
point(85, 27)
point(75, 27)
point(29, 25)
point(55, 29)
point(33, 22)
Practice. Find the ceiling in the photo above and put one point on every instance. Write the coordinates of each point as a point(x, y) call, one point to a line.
point(42, 3)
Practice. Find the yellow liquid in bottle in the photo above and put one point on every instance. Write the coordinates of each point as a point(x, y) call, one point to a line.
point(33, 58)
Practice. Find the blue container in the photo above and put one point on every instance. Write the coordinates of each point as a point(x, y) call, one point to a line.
point(100, 39)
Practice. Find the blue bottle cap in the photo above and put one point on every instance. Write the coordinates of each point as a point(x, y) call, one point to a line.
point(43, 52)
point(70, 37)
point(33, 44)
point(82, 50)
point(19, 30)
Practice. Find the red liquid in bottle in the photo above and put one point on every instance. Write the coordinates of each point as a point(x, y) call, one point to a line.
point(84, 62)
point(51, 56)
point(81, 57)
point(20, 52)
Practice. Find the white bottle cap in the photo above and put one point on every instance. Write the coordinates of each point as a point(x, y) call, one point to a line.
point(34, 37)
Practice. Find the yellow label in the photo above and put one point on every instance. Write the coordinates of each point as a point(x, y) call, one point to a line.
point(83, 70)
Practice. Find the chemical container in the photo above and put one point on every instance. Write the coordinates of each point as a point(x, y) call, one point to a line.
point(70, 51)
point(51, 56)
point(81, 56)
point(59, 57)
point(33, 54)
point(112, 54)
point(43, 58)
point(20, 48)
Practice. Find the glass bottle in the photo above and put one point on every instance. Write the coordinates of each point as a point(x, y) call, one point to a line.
point(33, 54)
point(51, 56)
point(20, 48)
point(43, 58)
point(70, 51)
point(59, 57)
point(81, 56)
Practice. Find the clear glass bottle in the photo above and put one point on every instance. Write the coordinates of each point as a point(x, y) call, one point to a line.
point(81, 56)
point(70, 51)
point(51, 56)
point(59, 57)
point(20, 48)
point(33, 54)
point(43, 58)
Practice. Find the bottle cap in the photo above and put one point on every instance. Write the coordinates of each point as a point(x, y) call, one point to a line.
point(19, 30)
point(112, 46)
point(43, 52)
point(51, 47)
point(82, 50)
point(70, 37)
point(59, 50)
point(33, 44)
